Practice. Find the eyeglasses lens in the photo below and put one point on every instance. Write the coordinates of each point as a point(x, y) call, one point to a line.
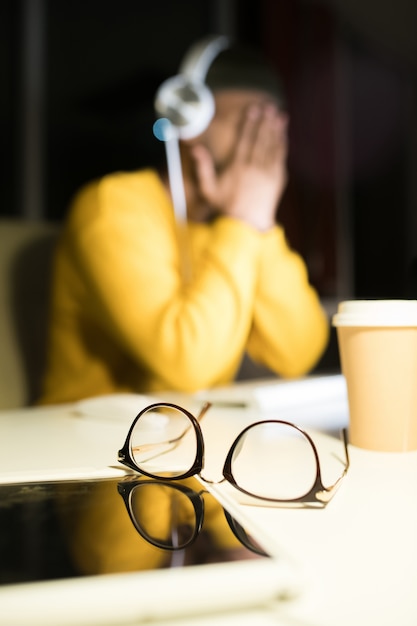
point(164, 515)
point(274, 460)
point(163, 442)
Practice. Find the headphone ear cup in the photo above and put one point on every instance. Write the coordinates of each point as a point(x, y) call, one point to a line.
point(188, 105)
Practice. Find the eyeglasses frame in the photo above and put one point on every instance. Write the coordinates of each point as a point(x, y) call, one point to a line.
point(126, 490)
point(318, 494)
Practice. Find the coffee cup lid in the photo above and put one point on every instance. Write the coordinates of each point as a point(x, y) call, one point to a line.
point(376, 313)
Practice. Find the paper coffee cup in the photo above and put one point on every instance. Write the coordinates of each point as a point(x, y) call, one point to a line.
point(378, 353)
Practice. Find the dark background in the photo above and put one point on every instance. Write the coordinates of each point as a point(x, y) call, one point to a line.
point(77, 84)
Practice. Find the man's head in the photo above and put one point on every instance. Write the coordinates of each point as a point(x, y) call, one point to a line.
point(210, 66)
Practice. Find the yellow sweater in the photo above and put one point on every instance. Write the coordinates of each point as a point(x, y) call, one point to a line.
point(121, 319)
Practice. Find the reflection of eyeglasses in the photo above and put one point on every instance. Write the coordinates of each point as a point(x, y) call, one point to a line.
point(185, 514)
point(270, 460)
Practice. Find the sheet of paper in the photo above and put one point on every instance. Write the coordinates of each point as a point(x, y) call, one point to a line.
point(319, 402)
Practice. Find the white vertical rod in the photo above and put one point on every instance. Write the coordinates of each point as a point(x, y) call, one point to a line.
point(224, 17)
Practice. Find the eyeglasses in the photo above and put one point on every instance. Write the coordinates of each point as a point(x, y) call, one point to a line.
point(185, 514)
point(271, 460)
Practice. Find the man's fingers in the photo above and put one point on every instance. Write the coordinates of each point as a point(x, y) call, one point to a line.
point(247, 135)
point(205, 171)
point(270, 141)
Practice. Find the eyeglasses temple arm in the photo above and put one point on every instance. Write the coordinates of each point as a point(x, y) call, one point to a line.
point(171, 442)
point(327, 494)
point(203, 411)
point(345, 443)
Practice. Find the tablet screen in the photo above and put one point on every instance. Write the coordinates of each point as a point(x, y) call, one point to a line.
point(81, 528)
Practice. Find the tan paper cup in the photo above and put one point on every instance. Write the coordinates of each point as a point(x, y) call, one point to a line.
point(378, 352)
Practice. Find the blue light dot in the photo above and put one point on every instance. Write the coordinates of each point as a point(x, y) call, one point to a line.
point(163, 129)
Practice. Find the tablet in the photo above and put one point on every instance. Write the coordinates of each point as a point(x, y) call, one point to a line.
point(130, 550)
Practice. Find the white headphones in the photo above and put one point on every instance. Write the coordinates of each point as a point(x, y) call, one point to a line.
point(185, 100)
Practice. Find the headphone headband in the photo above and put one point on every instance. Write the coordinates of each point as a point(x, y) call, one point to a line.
point(201, 55)
point(184, 99)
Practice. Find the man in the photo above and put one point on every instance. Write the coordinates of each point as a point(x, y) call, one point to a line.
point(122, 317)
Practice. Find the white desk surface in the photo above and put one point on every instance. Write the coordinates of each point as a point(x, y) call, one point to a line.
point(357, 557)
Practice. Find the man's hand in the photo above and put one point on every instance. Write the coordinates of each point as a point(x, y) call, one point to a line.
point(251, 184)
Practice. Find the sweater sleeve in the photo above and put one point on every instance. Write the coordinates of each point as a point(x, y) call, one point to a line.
point(125, 250)
point(290, 329)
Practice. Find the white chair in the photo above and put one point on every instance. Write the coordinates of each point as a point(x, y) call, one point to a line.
point(26, 249)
